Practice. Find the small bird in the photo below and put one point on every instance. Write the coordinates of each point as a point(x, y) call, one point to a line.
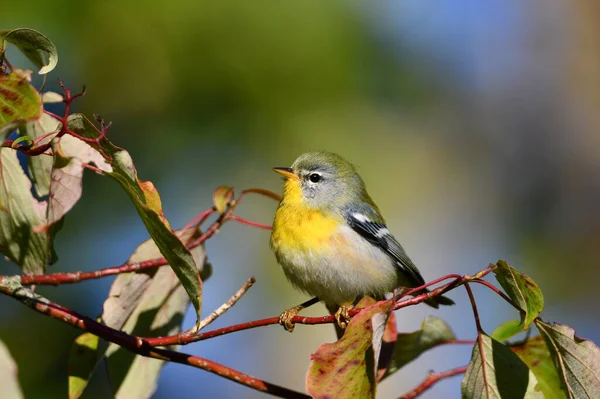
point(332, 242)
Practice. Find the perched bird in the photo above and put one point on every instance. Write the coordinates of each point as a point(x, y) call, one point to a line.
point(331, 240)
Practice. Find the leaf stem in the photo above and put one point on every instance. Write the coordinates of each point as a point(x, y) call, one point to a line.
point(430, 380)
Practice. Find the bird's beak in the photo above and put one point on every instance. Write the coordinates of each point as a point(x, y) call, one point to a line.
point(288, 173)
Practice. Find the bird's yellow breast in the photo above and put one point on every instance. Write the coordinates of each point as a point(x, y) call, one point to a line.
point(298, 227)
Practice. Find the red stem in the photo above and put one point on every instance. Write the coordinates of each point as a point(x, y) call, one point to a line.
point(430, 380)
point(474, 306)
point(250, 223)
point(75, 277)
point(186, 338)
point(480, 333)
point(497, 291)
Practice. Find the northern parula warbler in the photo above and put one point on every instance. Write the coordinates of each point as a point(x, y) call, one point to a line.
point(331, 240)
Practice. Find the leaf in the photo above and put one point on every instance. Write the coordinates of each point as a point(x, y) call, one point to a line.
point(147, 202)
point(83, 359)
point(221, 198)
point(19, 103)
point(507, 330)
point(534, 353)
point(496, 372)
point(346, 368)
point(522, 290)
point(32, 43)
point(410, 346)
point(40, 166)
point(8, 375)
point(137, 303)
point(19, 213)
point(66, 185)
point(160, 305)
point(388, 344)
point(577, 360)
point(50, 97)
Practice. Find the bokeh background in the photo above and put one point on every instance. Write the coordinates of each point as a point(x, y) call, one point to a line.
point(475, 124)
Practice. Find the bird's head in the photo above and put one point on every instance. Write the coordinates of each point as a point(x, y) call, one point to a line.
point(321, 180)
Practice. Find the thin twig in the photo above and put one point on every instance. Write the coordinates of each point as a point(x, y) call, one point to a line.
point(227, 305)
point(430, 380)
point(250, 222)
point(497, 291)
point(474, 306)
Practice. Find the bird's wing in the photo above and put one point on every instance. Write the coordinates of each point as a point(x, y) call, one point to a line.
point(367, 222)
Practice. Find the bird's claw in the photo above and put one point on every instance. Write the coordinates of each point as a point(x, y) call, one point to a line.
point(342, 316)
point(285, 319)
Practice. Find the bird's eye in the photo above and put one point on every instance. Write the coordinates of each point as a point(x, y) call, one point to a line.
point(314, 177)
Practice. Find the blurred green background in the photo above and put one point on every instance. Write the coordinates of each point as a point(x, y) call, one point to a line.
point(474, 123)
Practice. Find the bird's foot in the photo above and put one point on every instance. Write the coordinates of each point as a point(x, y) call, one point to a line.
point(285, 319)
point(342, 316)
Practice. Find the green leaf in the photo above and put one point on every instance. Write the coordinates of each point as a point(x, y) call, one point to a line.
point(410, 346)
point(522, 290)
point(346, 368)
point(40, 166)
point(159, 304)
point(496, 372)
point(32, 43)
point(147, 202)
point(8, 375)
point(19, 103)
point(507, 330)
point(577, 360)
point(83, 359)
point(20, 212)
point(534, 353)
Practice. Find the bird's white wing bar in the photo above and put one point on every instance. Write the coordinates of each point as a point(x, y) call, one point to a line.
point(379, 235)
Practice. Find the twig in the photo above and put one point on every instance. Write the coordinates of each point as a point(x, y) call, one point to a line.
point(11, 287)
point(75, 277)
point(250, 223)
point(497, 291)
point(474, 306)
point(260, 191)
point(227, 305)
point(183, 338)
point(430, 380)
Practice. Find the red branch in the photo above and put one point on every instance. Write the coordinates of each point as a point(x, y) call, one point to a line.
point(187, 337)
point(138, 345)
point(250, 223)
point(497, 291)
point(75, 277)
point(430, 380)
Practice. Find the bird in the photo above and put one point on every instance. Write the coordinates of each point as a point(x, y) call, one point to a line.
point(332, 241)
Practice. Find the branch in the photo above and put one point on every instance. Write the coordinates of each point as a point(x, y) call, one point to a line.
point(11, 287)
point(430, 380)
point(75, 277)
point(250, 223)
point(226, 306)
point(186, 338)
